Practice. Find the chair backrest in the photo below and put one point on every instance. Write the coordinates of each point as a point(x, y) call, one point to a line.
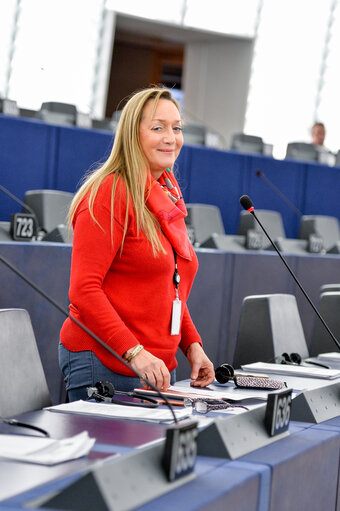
point(9, 107)
point(325, 226)
point(58, 113)
point(337, 159)
point(5, 231)
point(271, 220)
point(194, 133)
point(50, 206)
point(246, 143)
point(328, 307)
point(302, 151)
point(23, 386)
point(269, 326)
point(204, 220)
point(326, 288)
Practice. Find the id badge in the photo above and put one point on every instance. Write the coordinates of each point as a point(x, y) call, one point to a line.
point(176, 316)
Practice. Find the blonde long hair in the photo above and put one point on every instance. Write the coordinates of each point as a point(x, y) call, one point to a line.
point(128, 162)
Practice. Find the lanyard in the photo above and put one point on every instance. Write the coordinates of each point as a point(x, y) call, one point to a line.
point(176, 277)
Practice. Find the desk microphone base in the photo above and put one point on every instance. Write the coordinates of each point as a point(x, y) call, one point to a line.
point(317, 405)
point(120, 484)
point(236, 435)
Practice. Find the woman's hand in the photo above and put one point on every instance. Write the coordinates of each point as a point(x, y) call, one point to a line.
point(153, 369)
point(202, 369)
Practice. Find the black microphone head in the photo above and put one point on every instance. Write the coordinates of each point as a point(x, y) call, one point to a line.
point(246, 202)
point(105, 388)
point(224, 373)
point(259, 173)
point(296, 358)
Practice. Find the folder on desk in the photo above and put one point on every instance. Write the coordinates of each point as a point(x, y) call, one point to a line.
point(329, 357)
point(293, 370)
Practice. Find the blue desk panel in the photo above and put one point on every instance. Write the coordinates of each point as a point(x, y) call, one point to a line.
point(209, 304)
point(254, 273)
point(223, 280)
point(303, 466)
point(313, 272)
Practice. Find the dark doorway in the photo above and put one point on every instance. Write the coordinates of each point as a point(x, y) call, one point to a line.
point(138, 61)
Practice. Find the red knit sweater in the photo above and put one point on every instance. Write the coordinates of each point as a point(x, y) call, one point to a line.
point(126, 297)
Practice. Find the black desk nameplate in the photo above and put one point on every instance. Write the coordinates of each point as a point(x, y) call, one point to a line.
point(23, 226)
point(278, 411)
point(180, 450)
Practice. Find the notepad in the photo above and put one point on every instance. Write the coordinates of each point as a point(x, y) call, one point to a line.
point(293, 370)
point(121, 412)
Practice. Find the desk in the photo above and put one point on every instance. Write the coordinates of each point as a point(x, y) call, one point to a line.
point(290, 468)
point(295, 473)
point(223, 280)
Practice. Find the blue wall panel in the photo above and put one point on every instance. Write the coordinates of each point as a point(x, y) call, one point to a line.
point(27, 159)
point(79, 150)
point(217, 177)
point(289, 179)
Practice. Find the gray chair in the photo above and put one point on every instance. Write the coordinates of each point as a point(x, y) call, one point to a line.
point(337, 159)
point(103, 124)
point(5, 234)
point(327, 227)
point(194, 133)
point(269, 326)
point(326, 288)
point(328, 307)
point(246, 143)
point(302, 151)
point(273, 224)
point(229, 242)
point(203, 220)
point(9, 107)
point(55, 112)
point(271, 220)
point(50, 206)
point(206, 230)
point(23, 386)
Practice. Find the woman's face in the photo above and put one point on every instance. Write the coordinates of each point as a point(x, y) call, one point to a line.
point(160, 135)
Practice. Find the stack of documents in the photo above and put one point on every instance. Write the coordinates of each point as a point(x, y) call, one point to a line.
point(45, 451)
point(121, 411)
point(329, 357)
point(292, 370)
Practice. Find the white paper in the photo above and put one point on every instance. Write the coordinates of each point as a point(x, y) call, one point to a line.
point(218, 391)
point(331, 357)
point(45, 451)
point(293, 370)
point(121, 411)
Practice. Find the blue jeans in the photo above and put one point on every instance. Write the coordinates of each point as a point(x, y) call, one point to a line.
point(82, 369)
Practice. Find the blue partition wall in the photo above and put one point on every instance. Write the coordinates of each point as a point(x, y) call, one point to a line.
point(38, 155)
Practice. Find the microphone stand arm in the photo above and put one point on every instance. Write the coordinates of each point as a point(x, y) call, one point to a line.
point(297, 282)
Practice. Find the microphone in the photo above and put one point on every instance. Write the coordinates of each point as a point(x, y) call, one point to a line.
point(247, 204)
point(89, 332)
point(260, 174)
point(23, 205)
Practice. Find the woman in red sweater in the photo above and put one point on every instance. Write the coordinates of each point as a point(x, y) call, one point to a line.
point(130, 244)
